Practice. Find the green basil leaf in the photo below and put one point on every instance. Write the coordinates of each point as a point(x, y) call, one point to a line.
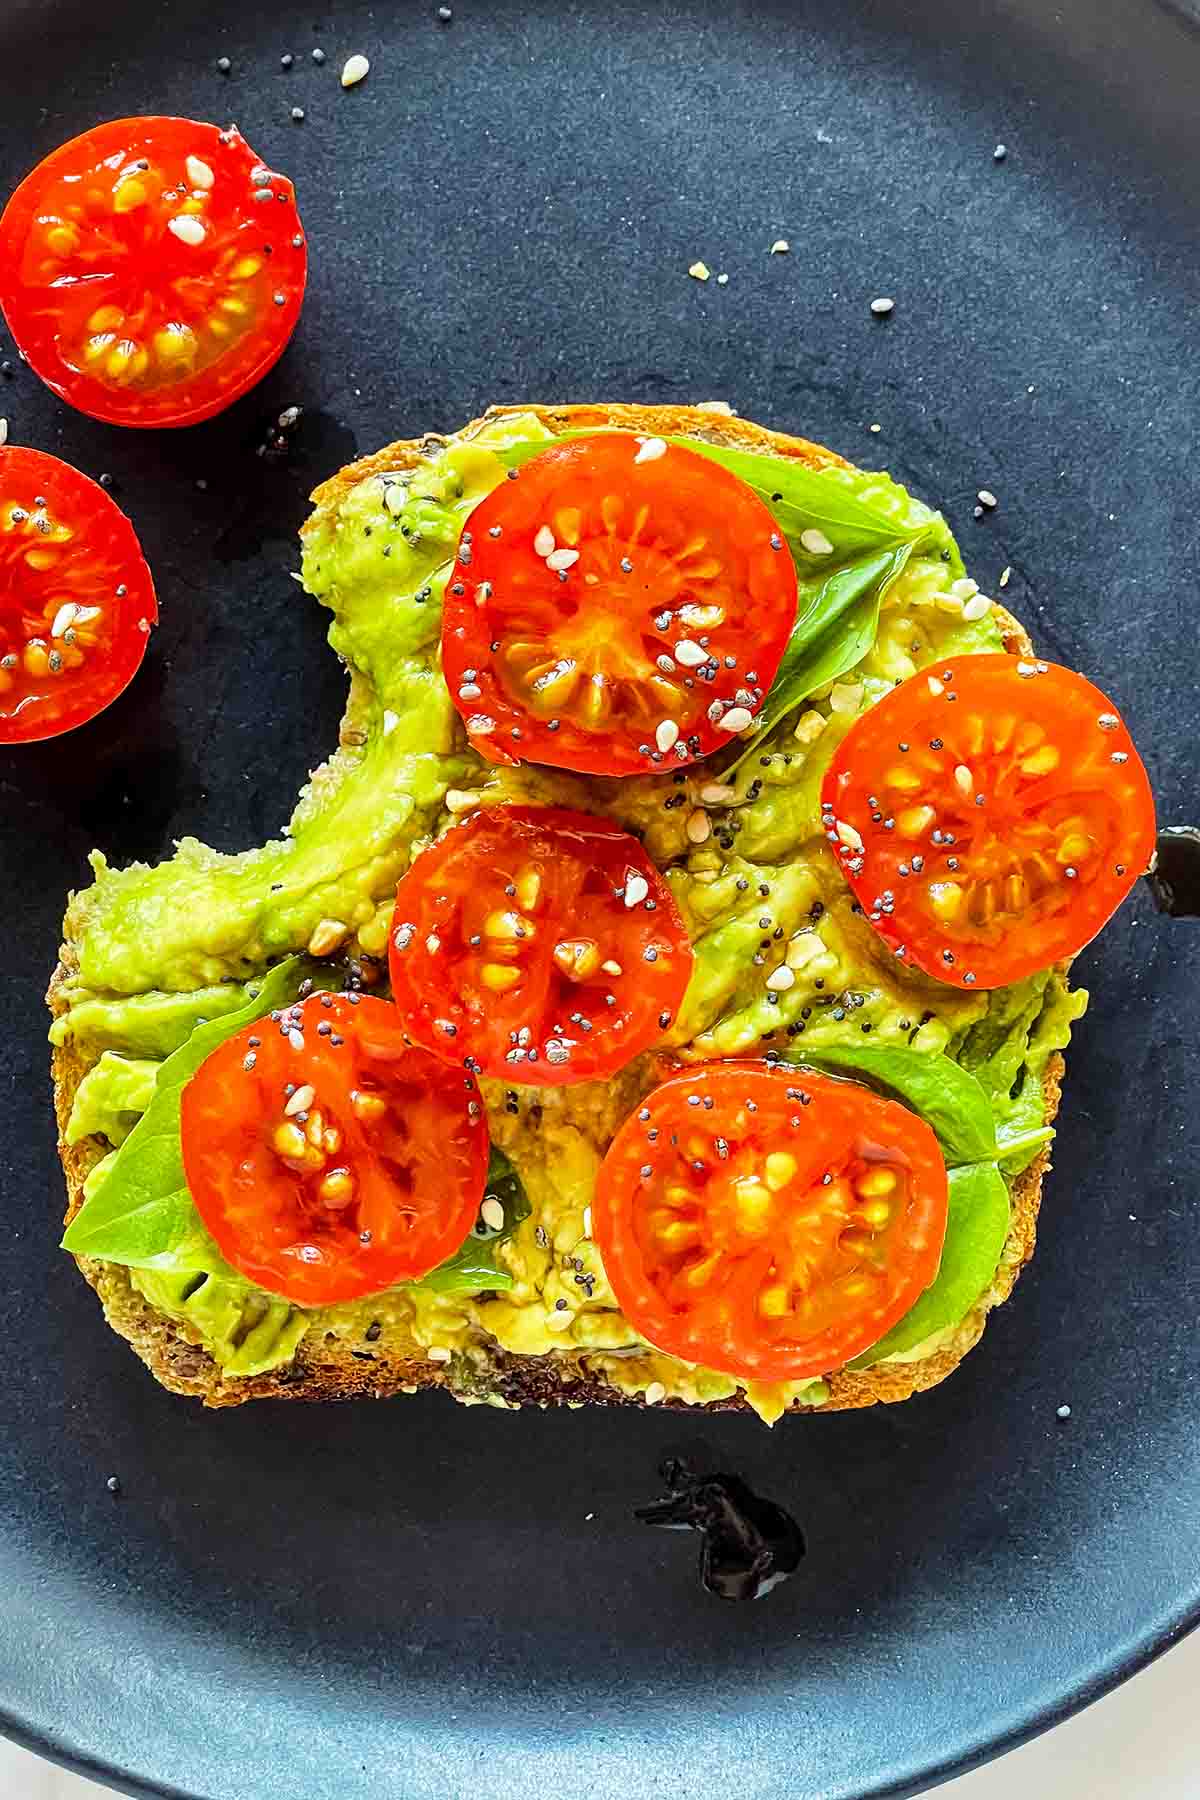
point(473, 1268)
point(142, 1214)
point(976, 1231)
point(834, 632)
point(806, 499)
point(946, 1096)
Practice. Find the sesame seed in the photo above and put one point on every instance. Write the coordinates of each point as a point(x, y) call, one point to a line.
point(438, 1353)
point(1005, 577)
point(354, 69)
point(318, 55)
point(295, 1038)
point(666, 735)
point(699, 271)
point(690, 654)
point(987, 498)
point(445, 14)
point(656, 1393)
point(882, 307)
point(977, 608)
point(1063, 1412)
point(298, 113)
point(198, 173)
point(492, 1214)
point(848, 835)
point(999, 153)
point(560, 560)
point(815, 542)
point(1108, 721)
point(963, 779)
point(717, 793)
point(722, 281)
point(779, 248)
point(651, 450)
point(300, 1101)
point(543, 542)
point(780, 979)
point(736, 719)
point(698, 827)
point(636, 889)
point(224, 64)
point(935, 686)
point(187, 229)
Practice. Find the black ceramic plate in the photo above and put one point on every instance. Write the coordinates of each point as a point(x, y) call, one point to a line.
point(421, 1601)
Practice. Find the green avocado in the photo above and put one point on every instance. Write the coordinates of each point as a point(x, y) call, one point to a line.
point(162, 949)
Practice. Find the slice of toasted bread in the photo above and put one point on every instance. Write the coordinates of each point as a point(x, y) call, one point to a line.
point(326, 1367)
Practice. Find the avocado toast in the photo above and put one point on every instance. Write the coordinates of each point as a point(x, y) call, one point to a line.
point(148, 954)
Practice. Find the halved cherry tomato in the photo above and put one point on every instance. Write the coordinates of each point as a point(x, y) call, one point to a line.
point(152, 270)
point(990, 816)
point(618, 606)
point(327, 1157)
point(538, 945)
point(76, 598)
point(766, 1222)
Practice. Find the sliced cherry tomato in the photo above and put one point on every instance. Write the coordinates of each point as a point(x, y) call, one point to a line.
point(538, 945)
point(76, 598)
point(990, 816)
point(327, 1157)
point(152, 270)
point(619, 605)
point(766, 1222)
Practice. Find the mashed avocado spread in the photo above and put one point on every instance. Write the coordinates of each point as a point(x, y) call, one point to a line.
point(167, 951)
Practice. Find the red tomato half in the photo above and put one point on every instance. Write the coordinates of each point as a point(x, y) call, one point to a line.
point(619, 605)
point(327, 1157)
point(769, 1223)
point(538, 945)
point(152, 270)
point(76, 598)
point(990, 817)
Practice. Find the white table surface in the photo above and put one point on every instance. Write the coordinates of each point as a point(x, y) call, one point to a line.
point(1140, 1743)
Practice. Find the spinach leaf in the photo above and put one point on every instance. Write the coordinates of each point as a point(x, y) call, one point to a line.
point(473, 1268)
point(976, 1230)
point(946, 1096)
point(141, 1214)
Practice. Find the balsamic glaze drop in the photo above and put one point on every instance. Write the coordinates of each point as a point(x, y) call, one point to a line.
point(1174, 881)
point(749, 1545)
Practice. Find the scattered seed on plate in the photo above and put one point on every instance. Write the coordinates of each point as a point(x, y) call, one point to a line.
point(286, 60)
point(354, 69)
point(999, 153)
point(445, 14)
point(3, 431)
point(318, 55)
point(987, 498)
point(298, 113)
point(1005, 577)
point(224, 64)
point(699, 271)
point(874, 427)
point(722, 280)
point(815, 542)
point(882, 307)
point(779, 248)
point(1064, 1411)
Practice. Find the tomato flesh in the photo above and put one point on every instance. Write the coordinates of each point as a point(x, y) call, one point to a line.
point(769, 1223)
point(76, 598)
point(327, 1157)
point(152, 270)
point(617, 607)
point(990, 817)
point(538, 945)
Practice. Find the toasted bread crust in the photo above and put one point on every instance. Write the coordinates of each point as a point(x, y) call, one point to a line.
point(329, 1368)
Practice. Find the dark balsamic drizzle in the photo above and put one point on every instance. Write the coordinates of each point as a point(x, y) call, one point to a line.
point(749, 1545)
point(1174, 881)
